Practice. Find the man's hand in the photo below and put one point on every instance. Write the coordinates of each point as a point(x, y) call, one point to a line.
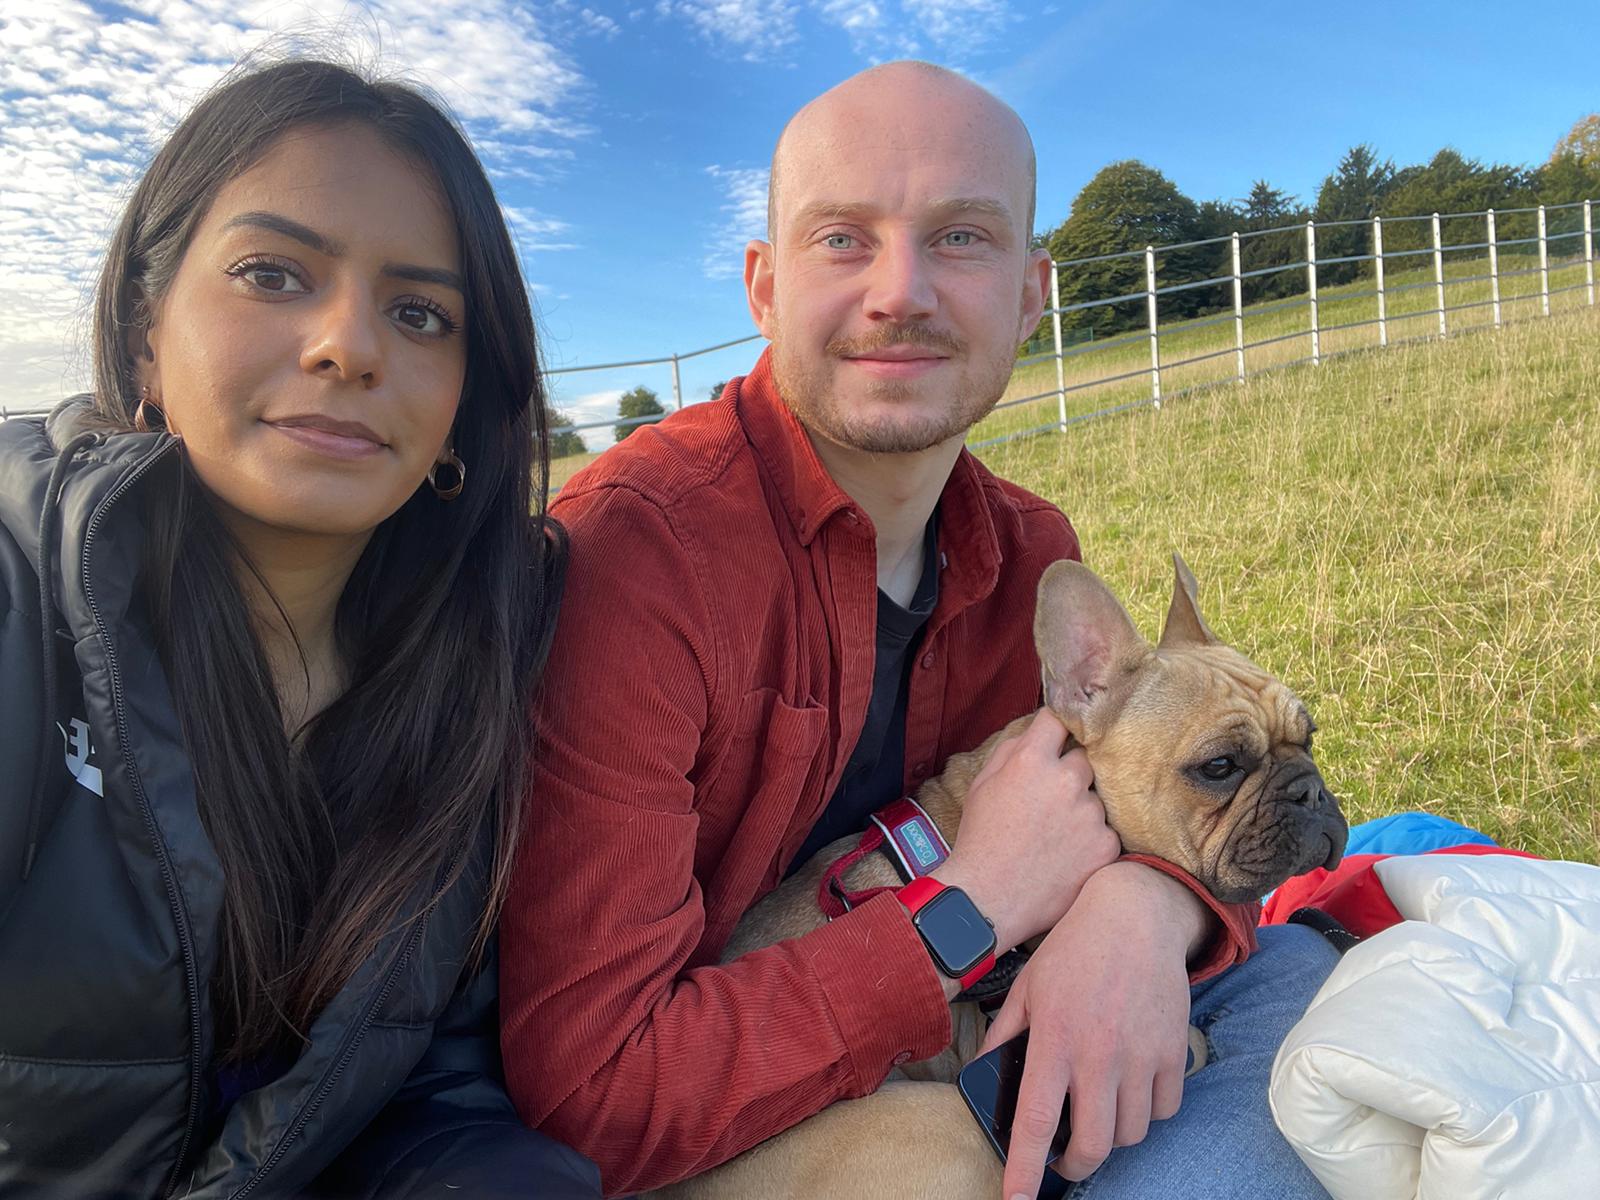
point(1032, 833)
point(1106, 997)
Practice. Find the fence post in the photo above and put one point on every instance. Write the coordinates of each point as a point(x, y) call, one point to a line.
point(1588, 245)
point(1055, 323)
point(1438, 276)
point(1544, 266)
point(677, 384)
point(1494, 268)
point(1238, 309)
point(1383, 302)
point(1150, 308)
point(1311, 291)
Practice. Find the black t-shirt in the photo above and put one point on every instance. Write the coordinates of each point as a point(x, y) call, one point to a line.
point(875, 774)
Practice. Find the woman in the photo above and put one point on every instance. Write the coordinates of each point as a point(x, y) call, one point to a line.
point(274, 608)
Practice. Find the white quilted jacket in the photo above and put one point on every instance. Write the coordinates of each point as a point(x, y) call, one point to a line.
point(1457, 1055)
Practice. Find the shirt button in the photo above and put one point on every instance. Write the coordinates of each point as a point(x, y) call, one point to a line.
point(902, 1058)
point(927, 660)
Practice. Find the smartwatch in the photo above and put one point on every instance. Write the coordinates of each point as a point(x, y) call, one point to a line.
point(958, 936)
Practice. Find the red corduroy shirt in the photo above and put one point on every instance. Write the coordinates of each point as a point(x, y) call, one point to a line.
point(710, 677)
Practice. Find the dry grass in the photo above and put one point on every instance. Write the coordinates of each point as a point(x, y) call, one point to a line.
point(1410, 538)
point(1200, 352)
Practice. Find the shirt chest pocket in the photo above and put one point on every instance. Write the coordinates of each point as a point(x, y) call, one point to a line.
point(770, 780)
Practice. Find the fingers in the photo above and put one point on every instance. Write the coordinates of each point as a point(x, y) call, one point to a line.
point(1134, 1100)
point(1166, 1094)
point(1011, 1020)
point(1045, 1077)
point(1094, 1127)
point(1045, 733)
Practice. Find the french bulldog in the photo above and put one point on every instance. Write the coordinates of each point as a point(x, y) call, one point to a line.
point(1200, 757)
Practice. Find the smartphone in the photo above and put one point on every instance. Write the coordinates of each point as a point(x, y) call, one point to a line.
point(990, 1082)
point(989, 1085)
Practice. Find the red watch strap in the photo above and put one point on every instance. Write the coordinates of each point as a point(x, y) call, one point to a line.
point(985, 965)
point(915, 895)
point(919, 891)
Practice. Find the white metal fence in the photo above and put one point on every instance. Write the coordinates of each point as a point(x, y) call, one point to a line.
point(1112, 392)
point(1161, 371)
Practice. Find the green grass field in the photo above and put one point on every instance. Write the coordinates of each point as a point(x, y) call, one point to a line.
point(1412, 304)
point(1410, 538)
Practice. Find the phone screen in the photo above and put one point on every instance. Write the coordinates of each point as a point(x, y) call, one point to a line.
point(989, 1085)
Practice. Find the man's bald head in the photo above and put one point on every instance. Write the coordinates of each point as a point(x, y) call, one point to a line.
point(897, 280)
point(856, 108)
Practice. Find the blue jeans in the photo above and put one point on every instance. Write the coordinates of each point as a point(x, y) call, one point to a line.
point(1222, 1144)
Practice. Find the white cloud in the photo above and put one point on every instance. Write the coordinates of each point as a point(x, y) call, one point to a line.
point(534, 233)
point(756, 30)
point(743, 213)
point(87, 90)
point(763, 30)
point(951, 23)
point(594, 406)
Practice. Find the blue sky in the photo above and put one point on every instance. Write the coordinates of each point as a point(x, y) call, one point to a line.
point(629, 142)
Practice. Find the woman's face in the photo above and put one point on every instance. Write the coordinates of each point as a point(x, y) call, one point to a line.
point(311, 349)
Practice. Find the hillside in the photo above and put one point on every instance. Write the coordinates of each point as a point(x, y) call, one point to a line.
point(1410, 538)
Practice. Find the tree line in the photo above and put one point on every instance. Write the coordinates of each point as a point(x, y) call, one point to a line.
point(1129, 205)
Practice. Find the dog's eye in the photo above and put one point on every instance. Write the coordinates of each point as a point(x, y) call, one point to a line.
point(1218, 769)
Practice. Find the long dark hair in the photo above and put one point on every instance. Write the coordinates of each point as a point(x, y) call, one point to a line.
point(335, 838)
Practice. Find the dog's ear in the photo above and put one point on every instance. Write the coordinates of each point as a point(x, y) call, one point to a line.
point(1087, 645)
point(1185, 626)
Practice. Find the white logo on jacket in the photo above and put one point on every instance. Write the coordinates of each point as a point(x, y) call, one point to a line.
point(79, 750)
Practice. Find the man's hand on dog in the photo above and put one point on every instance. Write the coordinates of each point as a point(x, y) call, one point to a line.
point(1106, 1000)
point(1032, 833)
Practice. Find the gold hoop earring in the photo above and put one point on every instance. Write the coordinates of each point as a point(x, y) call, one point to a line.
point(141, 420)
point(454, 463)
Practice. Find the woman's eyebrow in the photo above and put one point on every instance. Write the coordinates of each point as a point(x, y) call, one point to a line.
point(304, 234)
point(280, 224)
point(425, 275)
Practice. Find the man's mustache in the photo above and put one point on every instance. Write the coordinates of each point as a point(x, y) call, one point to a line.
point(884, 336)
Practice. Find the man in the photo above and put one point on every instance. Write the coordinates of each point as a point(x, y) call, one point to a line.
point(785, 609)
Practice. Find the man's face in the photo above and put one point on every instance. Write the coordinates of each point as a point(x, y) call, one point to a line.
point(899, 282)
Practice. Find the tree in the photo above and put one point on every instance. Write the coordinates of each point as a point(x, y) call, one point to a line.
point(1126, 207)
point(1567, 180)
point(1582, 142)
point(1573, 172)
point(716, 389)
point(1214, 221)
point(1452, 183)
point(637, 402)
point(564, 439)
point(1269, 208)
point(1354, 192)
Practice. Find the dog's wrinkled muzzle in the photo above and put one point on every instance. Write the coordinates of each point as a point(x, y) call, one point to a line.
point(1329, 826)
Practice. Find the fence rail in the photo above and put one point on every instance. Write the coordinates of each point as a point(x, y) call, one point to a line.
point(1160, 373)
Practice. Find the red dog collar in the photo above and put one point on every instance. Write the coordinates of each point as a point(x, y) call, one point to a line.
point(911, 838)
point(905, 833)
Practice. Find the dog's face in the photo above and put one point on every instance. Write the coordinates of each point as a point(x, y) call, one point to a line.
point(1200, 756)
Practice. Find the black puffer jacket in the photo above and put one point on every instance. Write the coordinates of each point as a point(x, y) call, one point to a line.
point(108, 936)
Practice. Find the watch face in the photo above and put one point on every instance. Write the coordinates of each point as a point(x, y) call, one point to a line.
point(954, 931)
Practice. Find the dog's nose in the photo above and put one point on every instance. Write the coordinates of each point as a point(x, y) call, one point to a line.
point(1309, 791)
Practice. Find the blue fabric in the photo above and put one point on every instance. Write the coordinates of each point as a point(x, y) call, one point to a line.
point(1222, 1144)
point(1411, 833)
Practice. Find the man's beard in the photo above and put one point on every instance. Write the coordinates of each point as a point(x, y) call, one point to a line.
point(809, 394)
